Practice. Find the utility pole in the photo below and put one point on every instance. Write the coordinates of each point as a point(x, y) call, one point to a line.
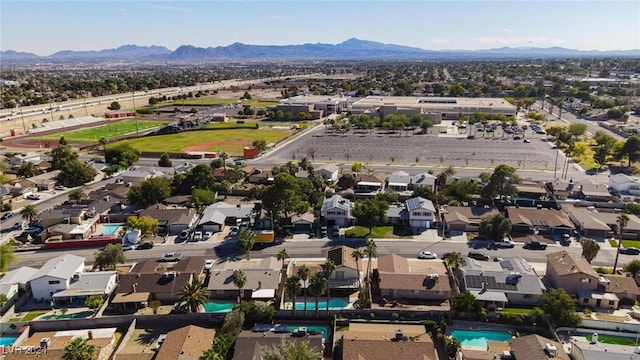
point(135, 117)
point(24, 127)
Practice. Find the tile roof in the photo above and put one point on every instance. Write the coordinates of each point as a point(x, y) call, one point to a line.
point(173, 216)
point(366, 341)
point(566, 263)
point(249, 344)
point(621, 284)
point(466, 214)
point(534, 216)
point(186, 343)
point(190, 265)
point(256, 279)
point(341, 256)
point(399, 273)
point(144, 267)
point(152, 283)
point(532, 347)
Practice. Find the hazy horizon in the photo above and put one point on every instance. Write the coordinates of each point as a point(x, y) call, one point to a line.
point(47, 27)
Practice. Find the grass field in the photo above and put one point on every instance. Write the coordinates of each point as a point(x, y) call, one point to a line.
point(109, 131)
point(625, 243)
point(232, 125)
point(606, 339)
point(29, 316)
point(231, 141)
point(378, 232)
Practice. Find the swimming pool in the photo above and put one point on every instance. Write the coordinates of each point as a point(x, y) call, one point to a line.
point(7, 340)
point(218, 307)
point(334, 304)
point(477, 339)
point(78, 315)
point(110, 229)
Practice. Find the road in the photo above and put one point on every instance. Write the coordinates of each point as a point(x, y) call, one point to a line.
point(570, 118)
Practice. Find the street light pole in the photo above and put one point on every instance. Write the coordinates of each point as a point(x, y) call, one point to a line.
point(24, 127)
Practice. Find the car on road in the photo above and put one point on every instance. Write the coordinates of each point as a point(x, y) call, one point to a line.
point(506, 243)
point(170, 256)
point(208, 264)
point(630, 251)
point(145, 245)
point(526, 141)
point(478, 255)
point(128, 247)
point(234, 231)
point(535, 245)
point(33, 197)
point(7, 215)
point(60, 187)
point(427, 255)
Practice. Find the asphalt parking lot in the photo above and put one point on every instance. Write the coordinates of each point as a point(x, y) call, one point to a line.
point(434, 149)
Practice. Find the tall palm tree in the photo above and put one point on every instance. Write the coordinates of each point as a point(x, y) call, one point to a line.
point(623, 220)
point(455, 261)
point(327, 270)
point(239, 280)
point(371, 250)
point(283, 255)
point(77, 195)
point(193, 296)
point(246, 241)
point(27, 170)
point(79, 349)
point(293, 288)
point(103, 142)
point(29, 213)
point(357, 255)
point(303, 273)
point(317, 287)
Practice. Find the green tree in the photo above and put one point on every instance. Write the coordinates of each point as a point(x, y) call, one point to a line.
point(303, 273)
point(114, 106)
point(496, 226)
point(27, 170)
point(165, 161)
point(560, 308)
point(356, 167)
point(358, 255)
point(232, 325)
point(79, 349)
point(77, 195)
point(201, 198)
point(621, 222)
point(246, 241)
point(467, 303)
point(425, 192)
point(328, 268)
point(577, 129)
point(293, 288)
point(146, 225)
point(600, 154)
point(317, 287)
point(371, 212)
point(109, 257)
point(123, 155)
point(282, 256)
point(239, 280)
point(590, 249)
point(261, 145)
point(502, 182)
point(3, 300)
point(74, 173)
point(346, 181)
point(29, 213)
point(630, 150)
point(220, 348)
point(371, 251)
point(7, 256)
point(289, 350)
point(149, 192)
point(456, 261)
point(286, 195)
point(633, 267)
point(61, 155)
point(452, 346)
point(193, 296)
point(94, 302)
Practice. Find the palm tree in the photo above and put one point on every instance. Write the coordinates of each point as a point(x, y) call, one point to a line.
point(327, 269)
point(29, 213)
point(455, 261)
point(357, 255)
point(623, 220)
point(590, 249)
point(303, 273)
point(246, 241)
point(27, 170)
point(77, 195)
point(371, 250)
point(103, 142)
point(317, 287)
point(79, 349)
point(223, 155)
point(292, 287)
point(193, 296)
point(283, 255)
point(239, 280)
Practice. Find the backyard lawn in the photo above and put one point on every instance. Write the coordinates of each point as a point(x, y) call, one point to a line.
point(625, 243)
point(108, 131)
point(29, 316)
point(231, 141)
point(606, 339)
point(378, 232)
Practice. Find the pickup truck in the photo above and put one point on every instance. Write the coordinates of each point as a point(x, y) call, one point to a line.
point(168, 257)
point(535, 245)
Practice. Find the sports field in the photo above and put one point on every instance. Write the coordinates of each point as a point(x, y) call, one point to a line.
point(217, 101)
point(109, 131)
point(231, 141)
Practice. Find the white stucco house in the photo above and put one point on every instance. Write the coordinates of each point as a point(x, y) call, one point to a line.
point(55, 275)
point(328, 171)
point(625, 185)
point(337, 211)
point(12, 280)
point(422, 213)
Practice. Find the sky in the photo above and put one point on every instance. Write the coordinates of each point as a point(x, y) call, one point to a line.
point(45, 27)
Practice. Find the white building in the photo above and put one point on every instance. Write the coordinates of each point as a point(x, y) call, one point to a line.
point(337, 211)
point(328, 171)
point(55, 275)
point(421, 213)
point(625, 185)
point(11, 282)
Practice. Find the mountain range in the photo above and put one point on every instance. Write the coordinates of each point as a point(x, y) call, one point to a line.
point(352, 49)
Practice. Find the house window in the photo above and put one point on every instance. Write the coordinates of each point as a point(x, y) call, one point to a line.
point(585, 300)
point(339, 275)
point(54, 282)
point(611, 302)
point(585, 280)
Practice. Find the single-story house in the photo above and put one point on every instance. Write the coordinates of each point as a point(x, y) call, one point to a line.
point(14, 280)
point(401, 278)
point(594, 192)
point(263, 279)
point(216, 216)
point(164, 287)
point(249, 344)
point(543, 221)
point(188, 342)
point(171, 221)
point(536, 347)
point(625, 184)
point(328, 171)
point(387, 341)
point(100, 283)
point(589, 224)
point(458, 218)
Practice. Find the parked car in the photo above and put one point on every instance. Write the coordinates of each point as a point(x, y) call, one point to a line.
point(208, 264)
point(535, 245)
point(234, 231)
point(197, 235)
point(60, 187)
point(630, 251)
point(427, 255)
point(446, 255)
point(7, 215)
point(478, 255)
point(145, 245)
point(184, 235)
point(128, 247)
point(33, 197)
point(171, 256)
point(20, 225)
point(506, 243)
